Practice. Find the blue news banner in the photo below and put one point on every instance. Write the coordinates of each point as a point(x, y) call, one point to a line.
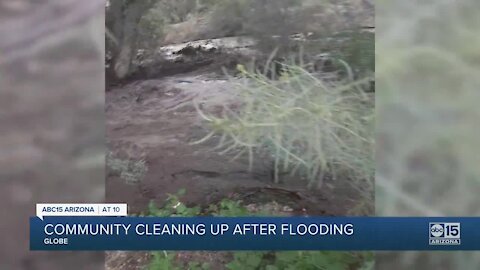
point(254, 233)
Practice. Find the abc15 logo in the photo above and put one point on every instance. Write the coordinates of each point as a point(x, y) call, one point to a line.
point(449, 230)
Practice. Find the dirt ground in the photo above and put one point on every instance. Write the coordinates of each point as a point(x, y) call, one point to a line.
point(155, 120)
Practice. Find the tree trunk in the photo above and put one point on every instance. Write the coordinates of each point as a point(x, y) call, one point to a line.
point(123, 17)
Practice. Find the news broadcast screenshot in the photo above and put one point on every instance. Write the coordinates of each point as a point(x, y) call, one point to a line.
point(239, 135)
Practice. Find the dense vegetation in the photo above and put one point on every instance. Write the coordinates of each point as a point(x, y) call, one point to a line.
point(308, 260)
